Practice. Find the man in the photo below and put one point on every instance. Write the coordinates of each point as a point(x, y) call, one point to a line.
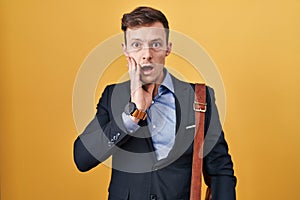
point(147, 124)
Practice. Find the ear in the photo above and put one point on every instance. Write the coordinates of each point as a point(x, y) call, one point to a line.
point(124, 49)
point(169, 48)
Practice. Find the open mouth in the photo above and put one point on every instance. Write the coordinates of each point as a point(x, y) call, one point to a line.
point(146, 68)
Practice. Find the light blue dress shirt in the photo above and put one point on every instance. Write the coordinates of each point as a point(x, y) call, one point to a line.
point(161, 119)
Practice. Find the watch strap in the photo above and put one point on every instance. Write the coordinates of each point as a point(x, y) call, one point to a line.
point(139, 114)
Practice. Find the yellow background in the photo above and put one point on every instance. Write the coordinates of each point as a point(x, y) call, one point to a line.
point(255, 45)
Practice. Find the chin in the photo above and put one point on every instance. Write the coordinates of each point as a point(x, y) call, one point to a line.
point(147, 80)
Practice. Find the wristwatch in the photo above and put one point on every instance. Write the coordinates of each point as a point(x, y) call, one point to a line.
point(131, 109)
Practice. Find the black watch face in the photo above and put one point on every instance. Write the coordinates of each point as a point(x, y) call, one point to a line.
point(129, 108)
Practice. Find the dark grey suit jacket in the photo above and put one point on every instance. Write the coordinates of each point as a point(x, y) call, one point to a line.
point(136, 173)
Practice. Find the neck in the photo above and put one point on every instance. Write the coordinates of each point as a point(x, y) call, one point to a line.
point(155, 90)
point(149, 86)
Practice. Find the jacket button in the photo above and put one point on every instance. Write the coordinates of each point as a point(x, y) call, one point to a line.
point(153, 197)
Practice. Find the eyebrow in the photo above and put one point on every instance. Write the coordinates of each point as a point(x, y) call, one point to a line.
point(158, 39)
point(137, 39)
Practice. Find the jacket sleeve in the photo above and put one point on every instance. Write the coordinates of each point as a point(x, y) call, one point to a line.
point(103, 135)
point(217, 164)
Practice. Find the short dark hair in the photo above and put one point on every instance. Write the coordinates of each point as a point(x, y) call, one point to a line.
point(142, 16)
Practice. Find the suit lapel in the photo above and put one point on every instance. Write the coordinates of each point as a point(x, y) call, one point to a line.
point(182, 91)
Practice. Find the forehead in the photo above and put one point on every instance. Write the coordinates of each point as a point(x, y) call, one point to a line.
point(150, 32)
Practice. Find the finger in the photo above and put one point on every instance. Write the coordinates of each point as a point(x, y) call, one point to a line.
point(133, 64)
point(134, 75)
point(130, 64)
point(127, 59)
point(138, 70)
point(135, 70)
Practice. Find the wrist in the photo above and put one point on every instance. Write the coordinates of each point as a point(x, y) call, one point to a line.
point(134, 119)
point(140, 105)
point(135, 112)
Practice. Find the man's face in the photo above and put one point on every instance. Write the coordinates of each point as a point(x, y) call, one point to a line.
point(147, 45)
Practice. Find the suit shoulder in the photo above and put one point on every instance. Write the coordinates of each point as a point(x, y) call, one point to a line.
point(111, 86)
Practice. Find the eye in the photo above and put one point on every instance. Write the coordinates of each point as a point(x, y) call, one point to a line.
point(136, 45)
point(156, 45)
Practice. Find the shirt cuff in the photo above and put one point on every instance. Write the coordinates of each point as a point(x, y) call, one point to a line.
point(129, 124)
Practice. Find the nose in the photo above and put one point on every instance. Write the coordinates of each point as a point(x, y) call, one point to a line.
point(147, 54)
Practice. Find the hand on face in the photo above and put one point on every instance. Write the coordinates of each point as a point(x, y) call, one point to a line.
point(141, 94)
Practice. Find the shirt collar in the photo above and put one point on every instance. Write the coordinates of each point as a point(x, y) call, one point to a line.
point(167, 82)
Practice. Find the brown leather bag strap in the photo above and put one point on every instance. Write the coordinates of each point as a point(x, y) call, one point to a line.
point(200, 109)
